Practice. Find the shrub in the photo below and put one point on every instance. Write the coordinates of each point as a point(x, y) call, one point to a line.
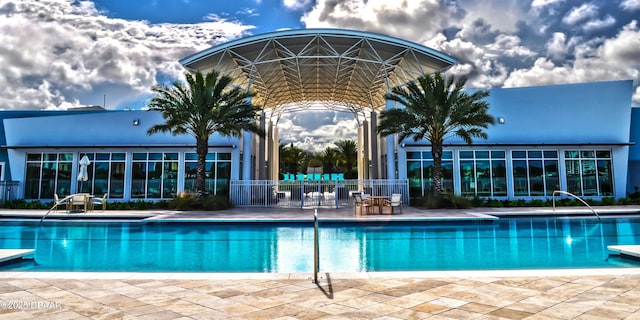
point(443, 201)
point(184, 201)
point(216, 202)
point(537, 203)
point(22, 204)
point(495, 203)
point(608, 201)
point(190, 201)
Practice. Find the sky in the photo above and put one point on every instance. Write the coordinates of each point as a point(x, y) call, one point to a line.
point(61, 54)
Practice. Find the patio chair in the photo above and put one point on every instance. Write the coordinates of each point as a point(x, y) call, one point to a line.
point(395, 202)
point(77, 202)
point(57, 202)
point(360, 204)
point(101, 202)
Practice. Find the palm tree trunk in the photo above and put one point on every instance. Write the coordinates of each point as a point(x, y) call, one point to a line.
point(202, 147)
point(436, 151)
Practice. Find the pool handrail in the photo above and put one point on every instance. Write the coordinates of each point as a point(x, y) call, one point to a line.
point(316, 247)
point(64, 200)
point(553, 197)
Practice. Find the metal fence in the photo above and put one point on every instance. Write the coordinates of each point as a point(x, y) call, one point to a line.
point(311, 193)
point(8, 190)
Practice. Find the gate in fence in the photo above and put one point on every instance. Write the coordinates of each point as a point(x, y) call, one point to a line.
point(311, 193)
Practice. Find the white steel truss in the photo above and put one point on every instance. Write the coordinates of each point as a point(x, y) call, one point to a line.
point(334, 69)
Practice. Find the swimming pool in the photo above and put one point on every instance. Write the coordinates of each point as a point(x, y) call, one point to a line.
point(344, 247)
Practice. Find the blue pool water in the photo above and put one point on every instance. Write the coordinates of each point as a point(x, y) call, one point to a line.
point(277, 247)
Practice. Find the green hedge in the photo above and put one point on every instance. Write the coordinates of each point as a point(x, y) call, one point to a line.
point(181, 202)
point(453, 202)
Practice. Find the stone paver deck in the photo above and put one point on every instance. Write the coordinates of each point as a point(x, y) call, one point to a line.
point(515, 294)
point(384, 296)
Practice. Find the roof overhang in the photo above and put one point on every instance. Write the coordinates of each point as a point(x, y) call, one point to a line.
point(303, 69)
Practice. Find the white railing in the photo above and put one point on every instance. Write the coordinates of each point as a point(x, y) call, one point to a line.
point(553, 197)
point(311, 193)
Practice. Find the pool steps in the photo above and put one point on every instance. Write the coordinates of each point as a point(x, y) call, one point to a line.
point(628, 250)
point(13, 254)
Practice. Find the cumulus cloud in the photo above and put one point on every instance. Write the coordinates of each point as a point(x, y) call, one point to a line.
point(630, 5)
point(73, 50)
point(599, 23)
point(416, 20)
point(317, 130)
point(583, 12)
point(297, 4)
point(538, 4)
point(613, 59)
point(557, 45)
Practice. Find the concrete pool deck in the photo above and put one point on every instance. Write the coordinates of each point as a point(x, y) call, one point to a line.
point(509, 294)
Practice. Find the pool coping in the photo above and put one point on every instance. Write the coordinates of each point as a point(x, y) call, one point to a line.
point(510, 273)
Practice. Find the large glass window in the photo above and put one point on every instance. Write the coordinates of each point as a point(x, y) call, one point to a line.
point(420, 172)
point(483, 173)
point(535, 172)
point(154, 175)
point(48, 174)
point(217, 172)
point(106, 174)
point(589, 172)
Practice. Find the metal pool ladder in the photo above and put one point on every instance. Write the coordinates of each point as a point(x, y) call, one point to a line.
point(553, 197)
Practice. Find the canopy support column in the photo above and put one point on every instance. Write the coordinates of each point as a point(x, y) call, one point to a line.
point(373, 138)
point(262, 147)
point(391, 149)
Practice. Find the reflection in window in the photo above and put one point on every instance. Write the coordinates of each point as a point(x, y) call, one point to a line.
point(420, 172)
point(535, 172)
point(483, 173)
point(48, 174)
point(154, 175)
point(589, 172)
point(217, 172)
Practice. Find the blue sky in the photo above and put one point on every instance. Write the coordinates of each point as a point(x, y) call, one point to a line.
point(60, 54)
point(266, 15)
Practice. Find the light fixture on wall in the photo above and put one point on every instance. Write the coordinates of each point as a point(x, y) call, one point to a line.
point(136, 122)
point(501, 120)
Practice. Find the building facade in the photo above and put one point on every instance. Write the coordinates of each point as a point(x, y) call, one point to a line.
point(572, 137)
point(576, 137)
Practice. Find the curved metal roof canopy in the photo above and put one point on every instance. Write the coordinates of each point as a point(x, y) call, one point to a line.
point(337, 69)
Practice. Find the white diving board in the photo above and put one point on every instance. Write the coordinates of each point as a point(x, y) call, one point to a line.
point(10, 254)
point(629, 250)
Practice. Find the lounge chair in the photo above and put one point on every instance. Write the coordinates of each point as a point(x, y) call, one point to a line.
point(395, 202)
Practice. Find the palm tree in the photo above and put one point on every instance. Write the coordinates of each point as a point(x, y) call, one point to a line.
point(435, 109)
point(348, 151)
point(204, 105)
point(292, 158)
point(329, 157)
